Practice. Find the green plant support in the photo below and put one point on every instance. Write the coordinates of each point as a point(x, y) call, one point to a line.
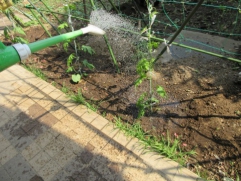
point(107, 43)
point(190, 48)
point(10, 55)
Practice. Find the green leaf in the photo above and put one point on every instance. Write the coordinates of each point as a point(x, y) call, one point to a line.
point(66, 45)
point(87, 49)
point(6, 32)
point(63, 25)
point(88, 65)
point(139, 80)
point(153, 100)
point(141, 105)
point(76, 78)
point(222, 7)
point(154, 13)
point(238, 179)
point(144, 30)
point(20, 40)
point(160, 90)
point(153, 45)
point(72, 6)
point(69, 69)
point(143, 66)
point(70, 59)
point(19, 30)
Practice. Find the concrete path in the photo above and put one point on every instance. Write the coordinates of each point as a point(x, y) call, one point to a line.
point(214, 44)
point(44, 136)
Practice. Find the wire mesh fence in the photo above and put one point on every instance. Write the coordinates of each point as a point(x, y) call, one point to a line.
point(218, 18)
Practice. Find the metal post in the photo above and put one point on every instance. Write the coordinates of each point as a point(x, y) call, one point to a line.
point(180, 29)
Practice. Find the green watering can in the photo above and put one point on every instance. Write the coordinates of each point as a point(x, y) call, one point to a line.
point(10, 55)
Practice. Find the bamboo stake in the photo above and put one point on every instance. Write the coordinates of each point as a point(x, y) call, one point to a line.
point(108, 44)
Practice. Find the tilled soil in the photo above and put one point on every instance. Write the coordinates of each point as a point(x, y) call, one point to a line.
point(203, 104)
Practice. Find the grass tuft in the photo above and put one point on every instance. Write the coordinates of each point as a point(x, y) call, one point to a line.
point(65, 89)
point(78, 98)
point(36, 71)
point(165, 146)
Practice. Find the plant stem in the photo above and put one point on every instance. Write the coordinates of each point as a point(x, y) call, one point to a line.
point(149, 52)
point(92, 4)
point(79, 18)
point(112, 4)
point(107, 43)
point(111, 53)
point(85, 11)
point(40, 22)
point(50, 11)
point(44, 17)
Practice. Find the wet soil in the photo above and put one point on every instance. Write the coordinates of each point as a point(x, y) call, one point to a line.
point(203, 104)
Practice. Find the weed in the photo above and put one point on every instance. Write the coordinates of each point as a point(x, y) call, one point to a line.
point(65, 89)
point(78, 98)
point(36, 71)
point(165, 145)
point(54, 83)
point(104, 114)
point(202, 173)
point(238, 113)
point(237, 177)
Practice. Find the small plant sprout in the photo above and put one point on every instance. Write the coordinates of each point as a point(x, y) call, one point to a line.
point(79, 98)
point(73, 61)
point(65, 89)
point(145, 70)
point(53, 83)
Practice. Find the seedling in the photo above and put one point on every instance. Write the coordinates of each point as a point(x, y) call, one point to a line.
point(78, 98)
point(75, 68)
point(65, 89)
point(144, 67)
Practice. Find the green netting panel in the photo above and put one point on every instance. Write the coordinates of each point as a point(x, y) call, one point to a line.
point(215, 18)
point(222, 18)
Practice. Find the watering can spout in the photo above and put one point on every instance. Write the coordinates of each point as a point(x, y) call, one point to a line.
point(94, 30)
point(19, 52)
point(39, 45)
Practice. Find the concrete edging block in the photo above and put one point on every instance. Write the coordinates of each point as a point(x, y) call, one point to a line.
point(172, 170)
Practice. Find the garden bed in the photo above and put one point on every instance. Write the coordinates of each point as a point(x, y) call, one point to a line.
point(203, 104)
